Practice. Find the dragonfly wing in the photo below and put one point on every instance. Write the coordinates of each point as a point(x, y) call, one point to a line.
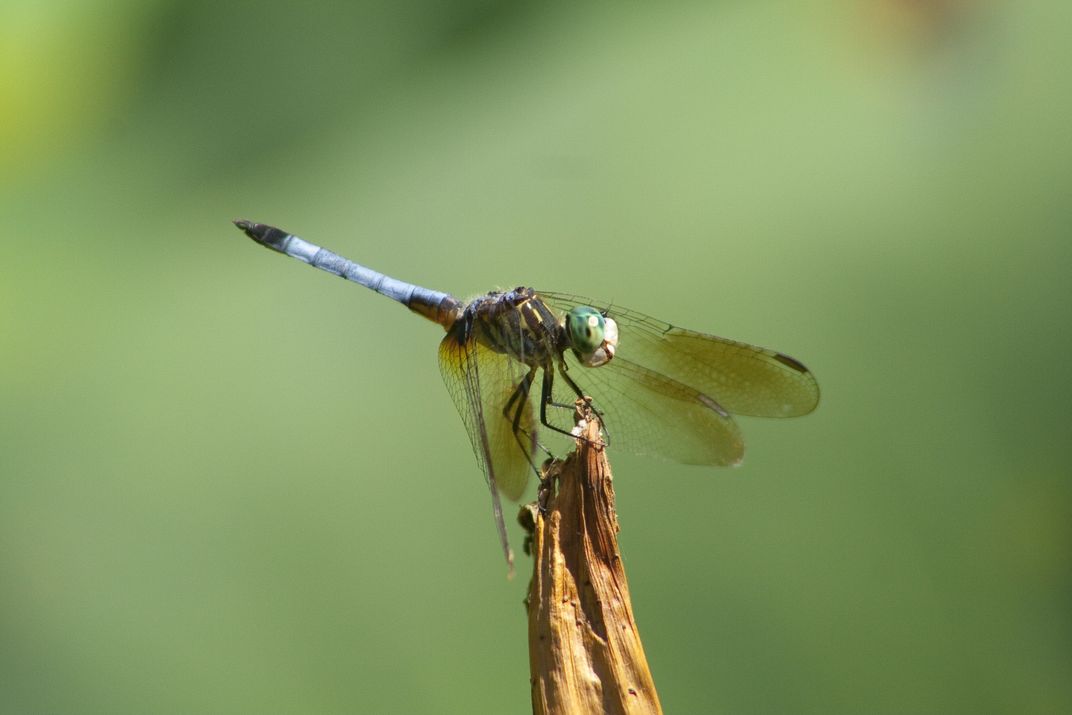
point(743, 379)
point(647, 412)
point(481, 383)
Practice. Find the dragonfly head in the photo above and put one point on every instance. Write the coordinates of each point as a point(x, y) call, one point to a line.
point(592, 335)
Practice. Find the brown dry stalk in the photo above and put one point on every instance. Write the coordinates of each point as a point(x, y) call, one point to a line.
point(585, 654)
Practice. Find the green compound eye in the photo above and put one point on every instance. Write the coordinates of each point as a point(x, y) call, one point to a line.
point(584, 327)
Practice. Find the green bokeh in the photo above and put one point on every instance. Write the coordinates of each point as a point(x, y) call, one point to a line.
point(231, 484)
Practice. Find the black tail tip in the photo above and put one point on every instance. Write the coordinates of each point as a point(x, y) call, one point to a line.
point(257, 231)
point(244, 226)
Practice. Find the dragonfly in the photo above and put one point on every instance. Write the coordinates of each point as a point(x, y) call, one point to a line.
point(515, 363)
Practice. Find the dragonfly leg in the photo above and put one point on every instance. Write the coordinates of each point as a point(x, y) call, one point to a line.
point(520, 393)
point(520, 396)
point(546, 490)
point(547, 399)
point(580, 394)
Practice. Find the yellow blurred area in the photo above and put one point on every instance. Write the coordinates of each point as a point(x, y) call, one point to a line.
point(65, 69)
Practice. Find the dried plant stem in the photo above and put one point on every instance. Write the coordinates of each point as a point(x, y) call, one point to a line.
point(585, 654)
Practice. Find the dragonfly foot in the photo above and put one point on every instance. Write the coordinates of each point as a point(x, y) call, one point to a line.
point(546, 489)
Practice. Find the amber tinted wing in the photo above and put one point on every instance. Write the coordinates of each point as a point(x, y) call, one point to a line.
point(481, 383)
point(743, 379)
point(646, 412)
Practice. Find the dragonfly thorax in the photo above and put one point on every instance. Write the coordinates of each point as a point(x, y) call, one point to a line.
point(516, 323)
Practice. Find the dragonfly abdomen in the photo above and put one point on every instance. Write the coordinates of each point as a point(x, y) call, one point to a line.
point(435, 305)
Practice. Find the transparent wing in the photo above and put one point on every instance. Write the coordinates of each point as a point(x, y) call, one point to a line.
point(743, 379)
point(481, 383)
point(646, 412)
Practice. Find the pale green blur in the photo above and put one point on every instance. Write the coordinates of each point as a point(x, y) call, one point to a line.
point(229, 483)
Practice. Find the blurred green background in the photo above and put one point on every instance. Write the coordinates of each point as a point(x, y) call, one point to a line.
point(229, 483)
